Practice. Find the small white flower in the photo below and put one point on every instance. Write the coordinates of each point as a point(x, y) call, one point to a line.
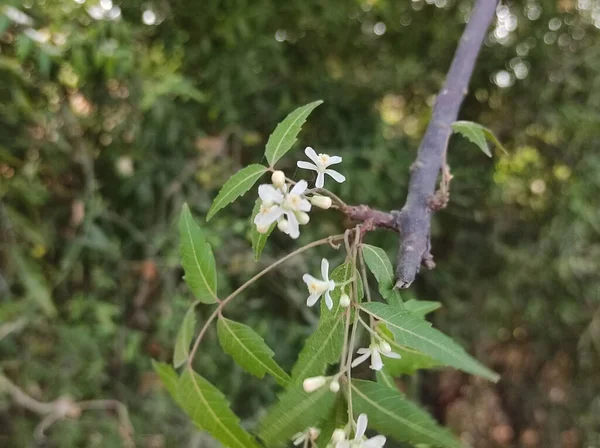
point(374, 352)
point(310, 434)
point(317, 287)
point(322, 162)
point(360, 441)
point(313, 383)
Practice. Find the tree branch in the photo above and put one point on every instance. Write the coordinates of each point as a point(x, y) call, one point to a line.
point(414, 220)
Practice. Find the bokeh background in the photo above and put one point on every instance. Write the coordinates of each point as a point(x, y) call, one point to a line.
point(113, 113)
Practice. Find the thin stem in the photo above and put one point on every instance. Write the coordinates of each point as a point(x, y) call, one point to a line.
point(346, 334)
point(200, 336)
point(363, 273)
point(368, 327)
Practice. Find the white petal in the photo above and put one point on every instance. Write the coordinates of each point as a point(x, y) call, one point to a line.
point(376, 362)
point(333, 160)
point(269, 193)
point(325, 269)
point(320, 180)
point(311, 154)
point(361, 426)
point(343, 444)
point(305, 205)
point(362, 351)
point(362, 358)
point(266, 219)
point(298, 439)
point(336, 176)
point(294, 226)
point(307, 165)
point(328, 300)
point(392, 355)
point(308, 279)
point(300, 187)
point(374, 442)
point(312, 299)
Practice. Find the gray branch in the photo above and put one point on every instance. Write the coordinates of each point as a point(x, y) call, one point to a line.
point(414, 220)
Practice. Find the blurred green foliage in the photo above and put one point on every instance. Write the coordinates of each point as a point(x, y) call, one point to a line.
point(113, 114)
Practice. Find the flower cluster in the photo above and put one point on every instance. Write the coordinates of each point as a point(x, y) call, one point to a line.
point(375, 350)
point(340, 437)
point(287, 204)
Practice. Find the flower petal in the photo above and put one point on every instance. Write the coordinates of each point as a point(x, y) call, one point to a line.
point(320, 180)
point(343, 444)
point(293, 225)
point(338, 177)
point(325, 269)
point(375, 442)
point(328, 300)
point(361, 426)
point(333, 160)
point(312, 299)
point(361, 351)
point(300, 187)
point(312, 155)
point(392, 355)
point(306, 165)
point(266, 219)
point(268, 193)
point(307, 278)
point(362, 358)
point(376, 362)
point(298, 438)
point(305, 205)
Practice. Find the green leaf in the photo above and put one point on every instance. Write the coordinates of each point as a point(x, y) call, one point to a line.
point(249, 350)
point(284, 136)
point(418, 334)
point(340, 275)
point(390, 413)
point(421, 307)
point(296, 411)
point(477, 134)
point(337, 418)
point(258, 239)
point(184, 337)
point(385, 377)
point(379, 264)
point(36, 288)
point(209, 410)
point(321, 349)
point(24, 46)
point(168, 376)
point(197, 259)
point(235, 187)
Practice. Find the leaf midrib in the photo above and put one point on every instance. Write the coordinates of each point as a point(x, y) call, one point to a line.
point(232, 190)
point(322, 347)
point(275, 151)
point(196, 262)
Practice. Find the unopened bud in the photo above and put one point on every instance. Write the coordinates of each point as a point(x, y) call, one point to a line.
point(313, 433)
point(303, 217)
point(321, 201)
point(283, 225)
point(313, 383)
point(339, 435)
point(262, 229)
point(278, 179)
point(385, 348)
point(334, 386)
point(345, 301)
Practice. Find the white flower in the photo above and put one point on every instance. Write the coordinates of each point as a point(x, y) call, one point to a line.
point(317, 287)
point(359, 437)
point(322, 162)
point(277, 202)
point(310, 434)
point(313, 383)
point(374, 352)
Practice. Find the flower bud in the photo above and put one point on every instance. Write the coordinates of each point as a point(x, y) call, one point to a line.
point(303, 217)
point(334, 386)
point(313, 383)
point(283, 225)
point(321, 201)
point(278, 179)
point(313, 433)
point(385, 348)
point(262, 229)
point(345, 301)
point(339, 435)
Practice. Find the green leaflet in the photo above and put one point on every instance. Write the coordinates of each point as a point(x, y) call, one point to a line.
point(384, 377)
point(168, 376)
point(418, 334)
point(197, 259)
point(390, 413)
point(249, 350)
point(337, 418)
point(209, 410)
point(258, 239)
point(284, 136)
point(340, 275)
point(295, 411)
point(322, 348)
point(477, 134)
point(379, 264)
point(184, 337)
point(235, 187)
point(421, 307)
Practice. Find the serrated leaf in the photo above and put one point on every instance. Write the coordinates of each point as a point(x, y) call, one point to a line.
point(209, 410)
point(258, 239)
point(184, 337)
point(197, 259)
point(385, 377)
point(340, 275)
point(36, 287)
point(235, 187)
point(168, 376)
point(477, 134)
point(284, 136)
point(295, 411)
point(249, 350)
point(337, 418)
point(421, 307)
point(418, 334)
point(321, 349)
point(379, 264)
point(390, 413)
